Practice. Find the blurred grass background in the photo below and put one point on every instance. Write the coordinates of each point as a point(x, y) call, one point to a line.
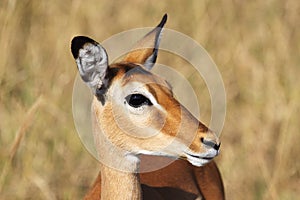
point(256, 45)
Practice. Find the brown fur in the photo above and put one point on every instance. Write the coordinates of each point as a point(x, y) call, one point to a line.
point(180, 175)
point(118, 144)
point(177, 120)
point(180, 178)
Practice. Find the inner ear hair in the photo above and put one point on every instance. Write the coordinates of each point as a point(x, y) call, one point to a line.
point(92, 61)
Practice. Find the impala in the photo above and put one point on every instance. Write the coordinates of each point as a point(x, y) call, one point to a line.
point(135, 113)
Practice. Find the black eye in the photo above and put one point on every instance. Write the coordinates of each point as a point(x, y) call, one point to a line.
point(137, 100)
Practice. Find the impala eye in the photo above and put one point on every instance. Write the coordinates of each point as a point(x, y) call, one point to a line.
point(137, 100)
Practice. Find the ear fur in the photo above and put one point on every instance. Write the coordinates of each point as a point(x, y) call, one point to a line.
point(145, 51)
point(92, 61)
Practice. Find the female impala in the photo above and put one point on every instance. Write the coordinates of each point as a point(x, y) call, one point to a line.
point(134, 112)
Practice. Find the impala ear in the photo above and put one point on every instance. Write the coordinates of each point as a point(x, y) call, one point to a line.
point(145, 50)
point(92, 61)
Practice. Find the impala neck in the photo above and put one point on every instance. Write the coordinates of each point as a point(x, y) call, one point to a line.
point(119, 177)
point(119, 185)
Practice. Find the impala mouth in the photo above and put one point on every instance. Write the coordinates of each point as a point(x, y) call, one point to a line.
point(197, 160)
point(200, 157)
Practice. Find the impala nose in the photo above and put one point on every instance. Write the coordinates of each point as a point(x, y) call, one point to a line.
point(211, 143)
point(211, 140)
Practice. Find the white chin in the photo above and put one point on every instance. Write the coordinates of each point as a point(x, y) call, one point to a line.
point(198, 162)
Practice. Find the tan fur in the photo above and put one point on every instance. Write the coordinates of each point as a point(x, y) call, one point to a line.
point(122, 132)
point(176, 121)
point(205, 181)
point(180, 175)
point(142, 50)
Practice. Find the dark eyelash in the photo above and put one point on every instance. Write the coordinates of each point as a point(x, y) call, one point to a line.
point(137, 100)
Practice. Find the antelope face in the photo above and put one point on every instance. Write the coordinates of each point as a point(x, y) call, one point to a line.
point(136, 109)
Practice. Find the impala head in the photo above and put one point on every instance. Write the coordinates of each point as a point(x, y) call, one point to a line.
point(136, 109)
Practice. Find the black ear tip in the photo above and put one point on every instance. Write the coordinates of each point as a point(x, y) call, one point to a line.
point(78, 42)
point(165, 17)
point(163, 20)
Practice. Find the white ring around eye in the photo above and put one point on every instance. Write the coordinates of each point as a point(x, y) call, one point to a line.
point(140, 109)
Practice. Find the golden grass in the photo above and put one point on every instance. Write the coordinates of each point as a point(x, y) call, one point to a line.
point(255, 45)
point(19, 136)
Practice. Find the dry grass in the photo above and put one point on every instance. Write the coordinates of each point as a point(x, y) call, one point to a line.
point(255, 45)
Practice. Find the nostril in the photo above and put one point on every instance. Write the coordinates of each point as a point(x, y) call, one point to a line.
point(217, 146)
point(202, 139)
point(210, 143)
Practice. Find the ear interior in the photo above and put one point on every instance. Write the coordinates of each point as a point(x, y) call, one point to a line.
point(145, 50)
point(92, 61)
